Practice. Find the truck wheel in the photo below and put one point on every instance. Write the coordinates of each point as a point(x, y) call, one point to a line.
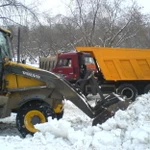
point(30, 114)
point(128, 90)
point(147, 89)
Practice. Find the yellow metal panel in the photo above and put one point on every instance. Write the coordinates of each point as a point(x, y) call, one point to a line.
point(137, 69)
point(144, 66)
point(113, 72)
point(28, 82)
point(11, 63)
point(11, 81)
point(119, 68)
point(18, 81)
point(128, 69)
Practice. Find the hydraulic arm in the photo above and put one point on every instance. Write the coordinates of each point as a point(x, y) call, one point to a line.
point(101, 111)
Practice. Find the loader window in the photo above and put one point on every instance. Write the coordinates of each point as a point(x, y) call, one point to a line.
point(4, 46)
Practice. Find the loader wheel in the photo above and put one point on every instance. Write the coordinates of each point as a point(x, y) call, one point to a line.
point(128, 90)
point(147, 89)
point(31, 114)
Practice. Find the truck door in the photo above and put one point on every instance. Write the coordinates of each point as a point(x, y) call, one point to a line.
point(65, 68)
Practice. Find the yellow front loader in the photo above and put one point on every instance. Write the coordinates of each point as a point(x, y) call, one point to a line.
point(35, 94)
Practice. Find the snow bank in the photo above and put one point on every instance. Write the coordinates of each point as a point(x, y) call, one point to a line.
point(127, 130)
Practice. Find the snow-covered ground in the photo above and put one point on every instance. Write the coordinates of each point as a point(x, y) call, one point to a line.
point(127, 130)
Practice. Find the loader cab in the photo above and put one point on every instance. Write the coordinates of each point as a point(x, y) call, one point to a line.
point(5, 48)
point(5, 45)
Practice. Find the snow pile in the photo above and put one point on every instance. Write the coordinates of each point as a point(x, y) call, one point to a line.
point(127, 130)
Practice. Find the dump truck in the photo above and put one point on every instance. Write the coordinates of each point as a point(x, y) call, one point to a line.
point(124, 71)
point(35, 94)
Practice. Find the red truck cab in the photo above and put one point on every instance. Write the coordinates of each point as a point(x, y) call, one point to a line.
point(72, 65)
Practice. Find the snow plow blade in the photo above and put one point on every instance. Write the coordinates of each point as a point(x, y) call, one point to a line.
point(111, 105)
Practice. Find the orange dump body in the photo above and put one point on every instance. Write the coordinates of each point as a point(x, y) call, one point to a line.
point(121, 63)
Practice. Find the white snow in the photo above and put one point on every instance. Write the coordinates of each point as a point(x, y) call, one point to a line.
point(127, 130)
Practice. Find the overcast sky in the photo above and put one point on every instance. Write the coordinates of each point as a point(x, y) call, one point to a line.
point(145, 4)
point(58, 6)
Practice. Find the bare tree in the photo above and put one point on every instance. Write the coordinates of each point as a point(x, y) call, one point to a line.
point(103, 22)
point(84, 14)
point(96, 23)
point(13, 11)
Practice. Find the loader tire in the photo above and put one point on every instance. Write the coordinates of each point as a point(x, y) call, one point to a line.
point(128, 90)
point(147, 89)
point(30, 114)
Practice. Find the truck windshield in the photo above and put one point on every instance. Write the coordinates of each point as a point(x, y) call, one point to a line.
point(4, 45)
point(65, 62)
point(89, 62)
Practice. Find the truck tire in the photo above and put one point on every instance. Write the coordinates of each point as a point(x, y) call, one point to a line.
point(128, 90)
point(147, 89)
point(30, 114)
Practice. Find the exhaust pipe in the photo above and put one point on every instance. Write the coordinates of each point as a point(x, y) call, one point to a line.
point(18, 46)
